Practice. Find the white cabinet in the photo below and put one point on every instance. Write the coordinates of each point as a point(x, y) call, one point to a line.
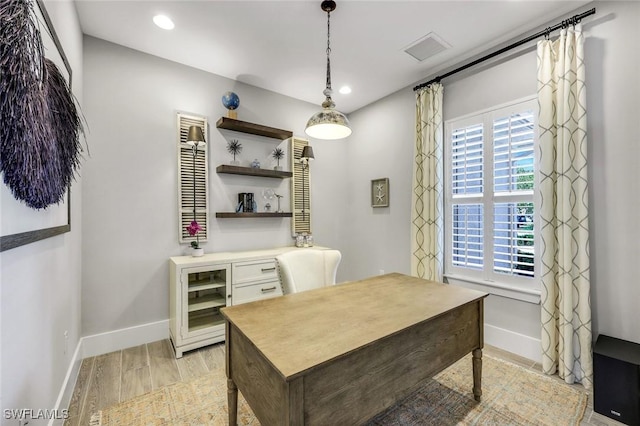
point(201, 286)
point(197, 293)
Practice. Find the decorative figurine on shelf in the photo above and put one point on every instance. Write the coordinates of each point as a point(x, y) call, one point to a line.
point(234, 147)
point(277, 154)
point(255, 164)
point(268, 195)
point(279, 209)
point(231, 102)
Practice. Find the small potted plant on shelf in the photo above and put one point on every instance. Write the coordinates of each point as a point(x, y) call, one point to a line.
point(277, 153)
point(234, 147)
point(193, 230)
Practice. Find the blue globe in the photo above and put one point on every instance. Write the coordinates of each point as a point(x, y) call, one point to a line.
point(230, 100)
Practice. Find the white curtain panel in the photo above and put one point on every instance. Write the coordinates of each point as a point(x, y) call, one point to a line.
point(427, 198)
point(566, 310)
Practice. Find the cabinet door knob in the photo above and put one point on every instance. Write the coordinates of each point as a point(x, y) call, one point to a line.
point(228, 296)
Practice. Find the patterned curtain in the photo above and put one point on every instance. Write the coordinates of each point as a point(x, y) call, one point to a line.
point(566, 310)
point(427, 198)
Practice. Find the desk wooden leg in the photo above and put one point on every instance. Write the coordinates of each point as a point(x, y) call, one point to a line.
point(477, 374)
point(232, 399)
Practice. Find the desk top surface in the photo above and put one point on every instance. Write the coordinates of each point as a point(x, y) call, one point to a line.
point(298, 332)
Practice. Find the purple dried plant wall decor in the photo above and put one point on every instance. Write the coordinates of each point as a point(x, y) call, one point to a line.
point(40, 124)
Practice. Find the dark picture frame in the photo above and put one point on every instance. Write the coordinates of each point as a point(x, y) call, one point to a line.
point(8, 242)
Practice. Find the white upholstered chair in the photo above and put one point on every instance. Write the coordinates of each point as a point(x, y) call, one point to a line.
point(306, 269)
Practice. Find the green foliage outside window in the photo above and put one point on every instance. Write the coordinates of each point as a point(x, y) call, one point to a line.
point(525, 228)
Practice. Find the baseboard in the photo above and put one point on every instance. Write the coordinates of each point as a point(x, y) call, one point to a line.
point(103, 343)
point(516, 343)
point(116, 340)
point(69, 383)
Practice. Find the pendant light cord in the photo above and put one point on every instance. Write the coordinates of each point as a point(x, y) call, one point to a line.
point(328, 52)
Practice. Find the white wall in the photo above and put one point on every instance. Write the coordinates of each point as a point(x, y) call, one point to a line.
point(613, 102)
point(387, 127)
point(130, 226)
point(381, 146)
point(40, 290)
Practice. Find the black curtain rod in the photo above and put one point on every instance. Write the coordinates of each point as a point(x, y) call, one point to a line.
point(564, 24)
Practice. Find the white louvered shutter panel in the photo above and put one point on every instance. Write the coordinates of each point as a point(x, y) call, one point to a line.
point(466, 194)
point(466, 160)
point(298, 223)
point(513, 176)
point(186, 185)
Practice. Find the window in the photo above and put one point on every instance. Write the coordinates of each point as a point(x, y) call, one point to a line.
point(490, 196)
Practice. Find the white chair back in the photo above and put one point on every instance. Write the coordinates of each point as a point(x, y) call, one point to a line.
point(306, 269)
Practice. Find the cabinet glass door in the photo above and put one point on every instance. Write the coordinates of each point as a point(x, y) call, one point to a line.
point(205, 292)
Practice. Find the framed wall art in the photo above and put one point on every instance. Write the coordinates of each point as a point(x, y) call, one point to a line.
point(20, 223)
point(380, 192)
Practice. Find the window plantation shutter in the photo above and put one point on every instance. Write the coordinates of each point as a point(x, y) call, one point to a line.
point(513, 249)
point(513, 180)
point(513, 153)
point(468, 235)
point(466, 158)
point(298, 223)
point(186, 181)
point(467, 181)
point(490, 195)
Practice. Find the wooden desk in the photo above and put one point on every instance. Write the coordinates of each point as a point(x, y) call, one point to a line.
point(342, 354)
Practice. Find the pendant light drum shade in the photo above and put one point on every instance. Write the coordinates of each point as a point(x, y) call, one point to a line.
point(328, 124)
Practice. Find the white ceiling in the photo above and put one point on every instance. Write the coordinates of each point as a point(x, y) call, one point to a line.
point(281, 45)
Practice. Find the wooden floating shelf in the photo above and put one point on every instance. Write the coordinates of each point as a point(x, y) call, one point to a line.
point(252, 171)
point(251, 215)
point(252, 128)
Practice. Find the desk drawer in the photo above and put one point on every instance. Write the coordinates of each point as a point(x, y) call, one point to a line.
point(254, 270)
point(244, 293)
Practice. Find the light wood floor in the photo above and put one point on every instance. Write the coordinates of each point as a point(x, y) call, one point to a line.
point(115, 377)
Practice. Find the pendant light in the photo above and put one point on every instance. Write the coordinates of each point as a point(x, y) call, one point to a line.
point(328, 123)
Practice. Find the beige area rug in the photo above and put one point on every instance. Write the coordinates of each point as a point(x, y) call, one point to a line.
point(511, 395)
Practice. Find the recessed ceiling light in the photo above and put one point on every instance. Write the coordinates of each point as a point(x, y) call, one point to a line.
point(163, 22)
point(345, 90)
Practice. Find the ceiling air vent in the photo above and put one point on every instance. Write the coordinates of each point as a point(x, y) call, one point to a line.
point(427, 46)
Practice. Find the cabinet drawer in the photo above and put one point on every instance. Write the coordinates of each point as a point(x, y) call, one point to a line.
point(255, 270)
point(244, 293)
